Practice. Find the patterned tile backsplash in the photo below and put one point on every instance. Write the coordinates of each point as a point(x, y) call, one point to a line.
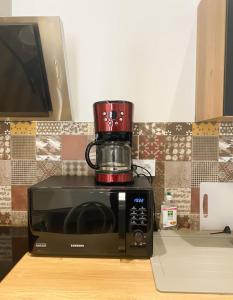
point(179, 155)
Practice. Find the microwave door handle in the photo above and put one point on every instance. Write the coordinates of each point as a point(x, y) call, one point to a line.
point(121, 226)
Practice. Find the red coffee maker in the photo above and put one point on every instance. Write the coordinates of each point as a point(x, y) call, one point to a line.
point(113, 141)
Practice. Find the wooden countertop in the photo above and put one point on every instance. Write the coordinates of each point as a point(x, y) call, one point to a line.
point(45, 278)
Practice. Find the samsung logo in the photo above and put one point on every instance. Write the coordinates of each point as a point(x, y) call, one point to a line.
point(77, 246)
point(41, 245)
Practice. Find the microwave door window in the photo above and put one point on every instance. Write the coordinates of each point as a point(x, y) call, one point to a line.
point(64, 212)
point(50, 220)
point(79, 217)
point(90, 218)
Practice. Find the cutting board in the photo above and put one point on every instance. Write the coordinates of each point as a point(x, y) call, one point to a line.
point(216, 205)
point(193, 262)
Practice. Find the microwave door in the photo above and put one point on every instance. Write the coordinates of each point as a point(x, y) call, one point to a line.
point(77, 222)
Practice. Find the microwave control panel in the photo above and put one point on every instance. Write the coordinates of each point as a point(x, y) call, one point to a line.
point(140, 221)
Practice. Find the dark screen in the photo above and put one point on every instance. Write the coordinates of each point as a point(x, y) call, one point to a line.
point(23, 81)
point(113, 115)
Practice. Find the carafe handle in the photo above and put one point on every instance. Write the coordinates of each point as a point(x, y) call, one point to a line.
point(87, 154)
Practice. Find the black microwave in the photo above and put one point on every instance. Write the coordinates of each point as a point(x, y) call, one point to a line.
point(72, 216)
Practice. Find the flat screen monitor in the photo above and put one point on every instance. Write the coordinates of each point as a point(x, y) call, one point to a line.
point(24, 87)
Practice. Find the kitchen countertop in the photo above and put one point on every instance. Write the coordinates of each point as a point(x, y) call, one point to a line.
point(82, 278)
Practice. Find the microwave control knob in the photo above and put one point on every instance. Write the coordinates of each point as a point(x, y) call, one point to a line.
point(138, 236)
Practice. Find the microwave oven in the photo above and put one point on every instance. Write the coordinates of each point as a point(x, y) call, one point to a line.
point(73, 216)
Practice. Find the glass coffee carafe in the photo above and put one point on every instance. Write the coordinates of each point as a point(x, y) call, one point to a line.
point(111, 156)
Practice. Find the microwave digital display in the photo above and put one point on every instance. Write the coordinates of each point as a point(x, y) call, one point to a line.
point(138, 200)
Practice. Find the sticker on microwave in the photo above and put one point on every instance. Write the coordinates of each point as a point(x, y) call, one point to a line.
point(77, 246)
point(41, 245)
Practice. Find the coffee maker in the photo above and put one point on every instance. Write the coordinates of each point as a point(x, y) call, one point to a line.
point(113, 141)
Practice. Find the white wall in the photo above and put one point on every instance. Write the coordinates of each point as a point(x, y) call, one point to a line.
point(138, 50)
point(5, 8)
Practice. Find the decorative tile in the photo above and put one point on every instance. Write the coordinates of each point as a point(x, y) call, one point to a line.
point(152, 128)
point(5, 150)
point(158, 179)
point(148, 164)
point(5, 218)
point(20, 218)
point(73, 147)
point(77, 128)
point(18, 232)
point(225, 148)
point(183, 221)
point(135, 146)
point(23, 172)
point(49, 128)
point(90, 128)
point(48, 147)
point(226, 128)
point(159, 198)
point(6, 254)
point(5, 199)
point(23, 147)
point(46, 169)
point(178, 128)
point(206, 171)
point(225, 172)
point(177, 174)
point(78, 168)
point(181, 197)
point(205, 148)
point(178, 147)
point(5, 172)
point(5, 127)
point(194, 220)
point(136, 128)
point(23, 128)
point(209, 128)
point(151, 147)
point(19, 197)
point(195, 200)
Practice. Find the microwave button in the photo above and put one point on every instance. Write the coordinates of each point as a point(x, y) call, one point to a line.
point(142, 209)
point(142, 219)
point(133, 222)
point(142, 213)
point(143, 223)
point(133, 214)
point(133, 208)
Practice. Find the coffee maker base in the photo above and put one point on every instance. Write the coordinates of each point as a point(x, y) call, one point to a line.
point(119, 178)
